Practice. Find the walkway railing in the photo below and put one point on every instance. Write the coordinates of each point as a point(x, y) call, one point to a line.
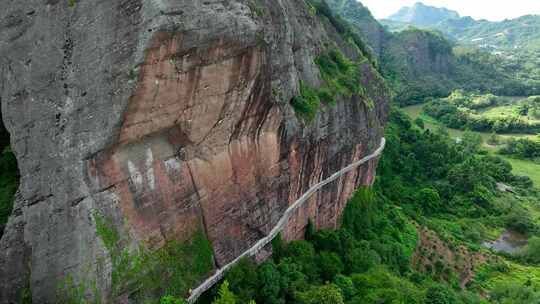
point(211, 281)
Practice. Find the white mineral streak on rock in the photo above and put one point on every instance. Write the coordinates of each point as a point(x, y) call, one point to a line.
point(150, 177)
point(172, 166)
point(135, 176)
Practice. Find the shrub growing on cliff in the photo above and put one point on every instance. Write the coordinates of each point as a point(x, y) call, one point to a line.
point(341, 78)
point(170, 270)
point(307, 104)
point(341, 75)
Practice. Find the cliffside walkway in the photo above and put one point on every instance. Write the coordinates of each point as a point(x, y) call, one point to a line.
point(211, 281)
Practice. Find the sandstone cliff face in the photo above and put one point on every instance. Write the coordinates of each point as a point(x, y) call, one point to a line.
point(421, 53)
point(168, 117)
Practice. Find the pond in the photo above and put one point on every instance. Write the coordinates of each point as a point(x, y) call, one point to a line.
point(510, 242)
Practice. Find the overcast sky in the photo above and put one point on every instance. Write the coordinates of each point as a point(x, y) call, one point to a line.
point(479, 9)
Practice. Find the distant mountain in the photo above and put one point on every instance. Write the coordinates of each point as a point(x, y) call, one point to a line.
point(520, 33)
point(422, 15)
point(419, 63)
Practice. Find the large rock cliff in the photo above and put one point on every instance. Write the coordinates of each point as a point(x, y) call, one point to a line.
point(168, 117)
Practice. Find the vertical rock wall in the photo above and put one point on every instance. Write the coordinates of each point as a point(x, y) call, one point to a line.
point(168, 117)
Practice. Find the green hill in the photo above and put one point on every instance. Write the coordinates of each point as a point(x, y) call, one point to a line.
point(423, 15)
point(522, 33)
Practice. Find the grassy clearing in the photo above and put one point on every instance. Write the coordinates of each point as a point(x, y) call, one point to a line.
point(431, 123)
point(506, 110)
point(526, 168)
point(520, 167)
point(489, 277)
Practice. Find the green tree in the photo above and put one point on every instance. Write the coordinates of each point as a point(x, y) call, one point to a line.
point(520, 220)
point(494, 139)
point(346, 286)
point(330, 265)
point(379, 285)
point(420, 123)
point(304, 256)
point(225, 296)
point(278, 248)
point(243, 280)
point(326, 294)
point(310, 230)
point(440, 294)
point(514, 293)
point(362, 258)
point(430, 200)
point(532, 251)
point(471, 142)
point(270, 289)
point(361, 205)
point(327, 240)
point(293, 278)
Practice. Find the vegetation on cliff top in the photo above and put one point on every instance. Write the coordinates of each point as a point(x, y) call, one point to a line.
point(341, 77)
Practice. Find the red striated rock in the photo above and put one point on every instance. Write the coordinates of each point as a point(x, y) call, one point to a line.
point(202, 146)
